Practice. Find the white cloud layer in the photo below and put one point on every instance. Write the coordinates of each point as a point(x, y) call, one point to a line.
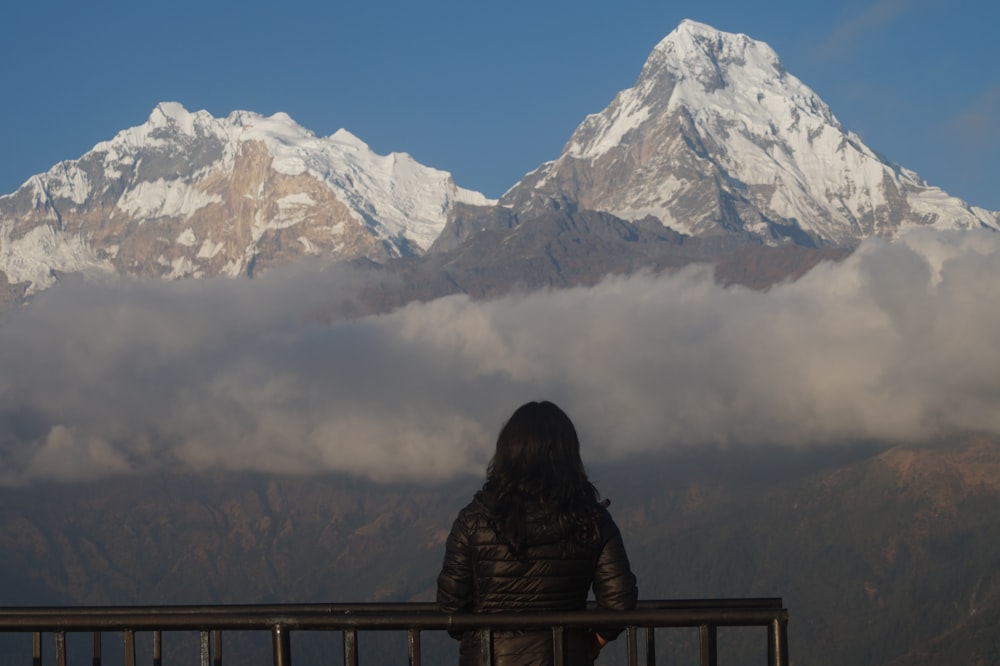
point(901, 341)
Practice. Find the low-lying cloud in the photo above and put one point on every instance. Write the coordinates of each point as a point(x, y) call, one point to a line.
point(899, 342)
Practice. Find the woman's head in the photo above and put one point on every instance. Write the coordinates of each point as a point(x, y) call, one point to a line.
point(538, 451)
point(537, 460)
point(537, 469)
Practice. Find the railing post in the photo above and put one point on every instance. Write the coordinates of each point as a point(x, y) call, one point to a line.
point(282, 646)
point(217, 658)
point(203, 650)
point(413, 643)
point(36, 648)
point(350, 647)
point(650, 646)
point(709, 635)
point(558, 647)
point(97, 648)
point(128, 640)
point(777, 642)
point(157, 648)
point(486, 645)
point(633, 646)
point(60, 648)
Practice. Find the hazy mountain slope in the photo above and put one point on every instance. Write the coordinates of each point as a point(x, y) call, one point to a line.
point(232, 539)
point(878, 560)
point(886, 558)
point(486, 252)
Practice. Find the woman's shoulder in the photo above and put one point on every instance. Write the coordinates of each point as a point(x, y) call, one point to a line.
point(605, 522)
point(478, 509)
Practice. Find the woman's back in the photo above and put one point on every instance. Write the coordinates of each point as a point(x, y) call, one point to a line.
point(518, 548)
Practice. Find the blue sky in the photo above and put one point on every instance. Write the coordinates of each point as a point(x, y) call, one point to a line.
point(487, 91)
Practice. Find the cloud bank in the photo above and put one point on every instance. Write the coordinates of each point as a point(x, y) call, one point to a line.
point(899, 342)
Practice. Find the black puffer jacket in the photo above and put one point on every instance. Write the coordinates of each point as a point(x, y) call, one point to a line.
point(481, 574)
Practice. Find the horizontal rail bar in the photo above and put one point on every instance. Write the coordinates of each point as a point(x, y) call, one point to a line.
point(192, 618)
point(381, 606)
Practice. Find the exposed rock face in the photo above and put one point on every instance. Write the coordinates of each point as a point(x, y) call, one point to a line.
point(10, 294)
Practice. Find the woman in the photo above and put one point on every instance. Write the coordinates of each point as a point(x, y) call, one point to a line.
point(535, 538)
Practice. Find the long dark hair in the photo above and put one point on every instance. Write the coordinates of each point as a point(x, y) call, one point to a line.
point(537, 466)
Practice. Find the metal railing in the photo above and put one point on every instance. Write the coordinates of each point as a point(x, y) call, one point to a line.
point(282, 620)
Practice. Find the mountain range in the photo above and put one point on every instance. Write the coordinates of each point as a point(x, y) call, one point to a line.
point(716, 150)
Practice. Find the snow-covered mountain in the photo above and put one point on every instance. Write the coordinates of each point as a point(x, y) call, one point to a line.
point(715, 143)
point(716, 137)
point(187, 194)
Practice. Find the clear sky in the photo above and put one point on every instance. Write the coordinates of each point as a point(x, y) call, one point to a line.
point(487, 91)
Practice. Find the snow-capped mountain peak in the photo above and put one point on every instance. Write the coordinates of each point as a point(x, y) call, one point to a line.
point(189, 194)
point(717, 137)
point(694, 49)
point(174, 115)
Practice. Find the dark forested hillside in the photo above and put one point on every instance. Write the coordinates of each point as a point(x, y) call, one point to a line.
point(882, 556)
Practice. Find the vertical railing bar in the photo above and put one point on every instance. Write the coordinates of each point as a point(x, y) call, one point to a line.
point(96, 648)
point(128, 640)
point(217, 658)
point(36, 648)
point(350, 647)
point(633, 647)
point(282, 646)
point(650, 646)
point(777, 643)
point(770, 645)
point(157, 648)
point(413, 639)
point(709, 645)
point(204, 654)
point(558, 648)
point(486, 645)
point(60, 637)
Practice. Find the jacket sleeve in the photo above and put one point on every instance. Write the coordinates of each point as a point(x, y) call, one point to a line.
point(614, 583)
point(455, 585)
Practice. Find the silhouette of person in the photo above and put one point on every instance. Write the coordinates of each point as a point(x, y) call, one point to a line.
point(536, 537)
